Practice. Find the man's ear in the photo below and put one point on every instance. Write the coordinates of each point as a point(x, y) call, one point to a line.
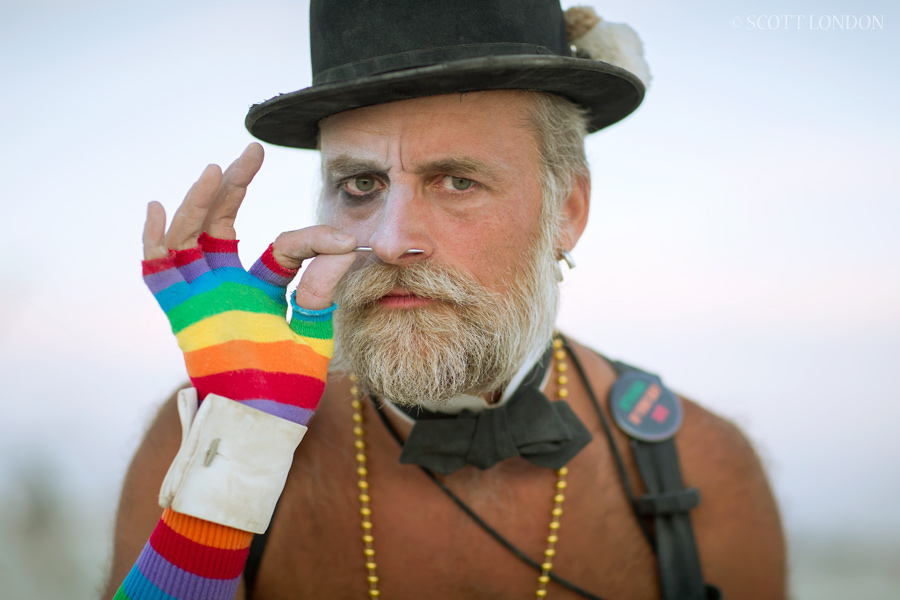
point(574, 214)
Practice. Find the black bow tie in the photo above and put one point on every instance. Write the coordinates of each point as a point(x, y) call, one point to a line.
point(545, 433)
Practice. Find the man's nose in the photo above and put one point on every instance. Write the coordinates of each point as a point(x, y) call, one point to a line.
point(401, 227)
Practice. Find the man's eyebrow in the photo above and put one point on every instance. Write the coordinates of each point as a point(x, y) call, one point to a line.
point(462, 165)
point(345, 166)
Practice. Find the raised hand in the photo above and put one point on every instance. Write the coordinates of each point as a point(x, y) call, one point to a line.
point(231, 323)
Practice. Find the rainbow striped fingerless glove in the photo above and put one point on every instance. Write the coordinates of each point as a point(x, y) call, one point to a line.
point(231, 325)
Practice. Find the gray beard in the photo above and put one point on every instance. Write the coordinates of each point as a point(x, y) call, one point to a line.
point(469, 340)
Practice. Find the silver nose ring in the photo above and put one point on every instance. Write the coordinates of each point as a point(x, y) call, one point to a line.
point(369, 249)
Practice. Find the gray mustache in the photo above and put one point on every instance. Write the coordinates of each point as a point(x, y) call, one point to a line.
point(369, 283)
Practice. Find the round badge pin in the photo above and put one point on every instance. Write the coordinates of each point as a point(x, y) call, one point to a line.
point(644, 408)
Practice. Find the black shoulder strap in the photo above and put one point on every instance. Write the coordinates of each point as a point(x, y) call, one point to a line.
point(254, 557)
point(667, 502)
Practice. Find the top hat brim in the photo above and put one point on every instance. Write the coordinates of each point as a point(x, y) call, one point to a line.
point(607, 92)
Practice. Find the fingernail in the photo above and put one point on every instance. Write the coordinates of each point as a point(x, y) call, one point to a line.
point(342, 237)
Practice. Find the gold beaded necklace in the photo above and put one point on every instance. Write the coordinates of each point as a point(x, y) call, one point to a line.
point(362, 482)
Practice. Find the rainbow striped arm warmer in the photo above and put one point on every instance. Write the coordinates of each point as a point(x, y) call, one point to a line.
point(187, 559)
point(231, 325)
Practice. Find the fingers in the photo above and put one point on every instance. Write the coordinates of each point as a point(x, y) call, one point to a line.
point(155, 232)
point(187, 224)
point(212, 203)
point(219, 222)
point(293, 247)
point(315, 290)
point(333, 252)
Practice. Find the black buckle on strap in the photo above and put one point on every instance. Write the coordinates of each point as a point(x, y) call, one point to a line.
point(667, 503)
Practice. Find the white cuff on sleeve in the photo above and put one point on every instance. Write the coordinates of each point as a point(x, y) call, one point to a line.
point(232, 463)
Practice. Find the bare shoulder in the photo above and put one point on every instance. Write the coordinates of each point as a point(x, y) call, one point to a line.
point(139, 511)
point(737, 525)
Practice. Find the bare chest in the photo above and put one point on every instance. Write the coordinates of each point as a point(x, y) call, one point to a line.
point(428, 547)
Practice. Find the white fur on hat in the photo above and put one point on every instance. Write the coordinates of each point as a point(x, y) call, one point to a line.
point(613, 43)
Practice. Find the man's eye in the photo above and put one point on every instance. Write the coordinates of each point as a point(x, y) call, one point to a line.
point(362, 184)
point(459, 183)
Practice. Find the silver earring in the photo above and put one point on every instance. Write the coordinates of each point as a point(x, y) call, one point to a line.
point(566, 256)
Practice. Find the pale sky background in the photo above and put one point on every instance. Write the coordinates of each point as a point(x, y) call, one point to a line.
point(743, 238)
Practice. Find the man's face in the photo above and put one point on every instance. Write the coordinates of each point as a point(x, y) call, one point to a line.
point(457, 177)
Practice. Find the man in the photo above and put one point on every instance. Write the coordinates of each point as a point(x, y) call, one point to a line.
point(454, 180)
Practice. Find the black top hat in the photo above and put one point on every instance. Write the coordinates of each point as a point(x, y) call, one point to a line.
point(368, 52)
